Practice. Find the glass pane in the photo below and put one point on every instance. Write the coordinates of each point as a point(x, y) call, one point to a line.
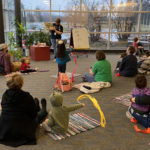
point(9, 17)
point(98, 41)
point(68, 20)
point(118, 43)
point(35, 20)
point(146, 5)
point(35, 4)
point(95, 5)
point(98, 22)
point(124, 22)
point(119, 40)
point(8, 4)
point(145, 22)
point(65, 5)
point(126, 5)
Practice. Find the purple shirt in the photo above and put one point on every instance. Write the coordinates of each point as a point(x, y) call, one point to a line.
point(139, 92)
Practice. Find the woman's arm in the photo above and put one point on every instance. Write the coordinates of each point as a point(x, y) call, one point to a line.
point(91, 72)
point(7, 64)
point(68, 51)
point(59, 32)
point(122, 65)
point(31, 107)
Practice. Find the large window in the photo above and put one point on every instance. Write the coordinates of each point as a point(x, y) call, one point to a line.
point(111, 23)
point(9, 17)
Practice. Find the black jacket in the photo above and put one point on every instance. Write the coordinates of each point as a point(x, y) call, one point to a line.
point(143, 100)
point(17, 121)
point(128, 67)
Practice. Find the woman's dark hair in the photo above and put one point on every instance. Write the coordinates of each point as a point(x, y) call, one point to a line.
point(131, 49)
point(135, 39)
point(140, 81)
point(100, 55)
point(61, 50)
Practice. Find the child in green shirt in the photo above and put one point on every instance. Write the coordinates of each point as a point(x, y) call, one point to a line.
point(101, 70)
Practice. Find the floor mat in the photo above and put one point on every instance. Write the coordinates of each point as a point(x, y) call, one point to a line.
point(124, 99)
point(78, 123)
point(69, 74)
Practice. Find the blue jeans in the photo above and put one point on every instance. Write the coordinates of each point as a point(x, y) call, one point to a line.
point(144, 120)
point(88, 78)
point(54, 44)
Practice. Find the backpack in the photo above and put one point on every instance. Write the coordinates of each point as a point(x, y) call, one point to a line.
point(63, 83)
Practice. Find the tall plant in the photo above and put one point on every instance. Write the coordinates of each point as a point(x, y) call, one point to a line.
point(20, 31)
point(13, 47)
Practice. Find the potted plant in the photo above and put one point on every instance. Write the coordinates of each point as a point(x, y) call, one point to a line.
point(14, 51)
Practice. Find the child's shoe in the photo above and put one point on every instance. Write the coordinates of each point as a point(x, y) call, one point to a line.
point(133, 120)
point(118, 74)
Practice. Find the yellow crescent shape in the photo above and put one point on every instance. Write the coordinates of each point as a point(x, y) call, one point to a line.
point(96, 105)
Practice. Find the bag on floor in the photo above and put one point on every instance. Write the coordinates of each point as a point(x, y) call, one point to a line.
point(63, 83)
point(93, 87)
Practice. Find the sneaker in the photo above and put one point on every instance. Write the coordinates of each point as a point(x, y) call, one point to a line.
point(133, 120)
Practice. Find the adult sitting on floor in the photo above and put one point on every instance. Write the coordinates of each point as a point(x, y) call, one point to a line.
point(101, 70)
point(20, 114)
point(5, 63)
point(128, 66)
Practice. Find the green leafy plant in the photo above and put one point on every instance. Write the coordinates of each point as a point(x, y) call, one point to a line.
point(13, 47)
point(29, 39)
point(20, 31)
point(42, 37)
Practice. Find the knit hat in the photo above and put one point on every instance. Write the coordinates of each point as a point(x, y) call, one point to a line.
point(56, 99)
point(3, 46)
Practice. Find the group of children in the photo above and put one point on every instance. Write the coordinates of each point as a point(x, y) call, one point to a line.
point(58, 118)
point(126, 67)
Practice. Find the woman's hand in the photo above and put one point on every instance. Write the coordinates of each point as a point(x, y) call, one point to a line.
point(90, 71)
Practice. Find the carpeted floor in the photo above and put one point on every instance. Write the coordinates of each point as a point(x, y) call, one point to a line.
point(118, 134)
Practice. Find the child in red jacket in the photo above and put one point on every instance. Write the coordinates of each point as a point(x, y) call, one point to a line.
point(25, 68)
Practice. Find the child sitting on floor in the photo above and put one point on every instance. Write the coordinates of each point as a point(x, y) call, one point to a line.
point(62, 56)
point(58, 117)
point(101, 70)
point(25, 68)
point(140, 91)
point(128, 66)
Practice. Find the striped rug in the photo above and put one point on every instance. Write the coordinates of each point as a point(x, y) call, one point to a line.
point(78, 123)
point(124, 99)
